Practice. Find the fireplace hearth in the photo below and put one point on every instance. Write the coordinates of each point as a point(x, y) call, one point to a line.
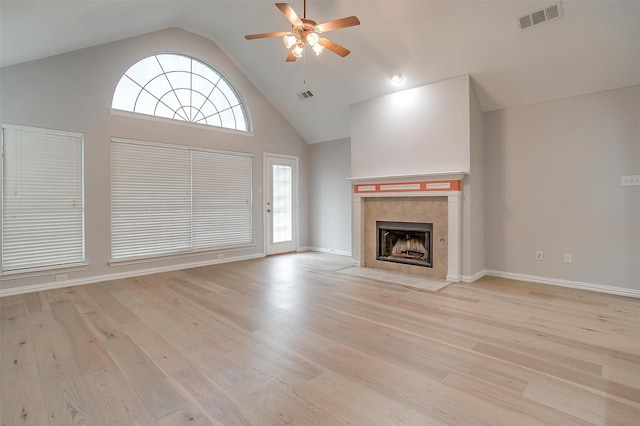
point(404, 242)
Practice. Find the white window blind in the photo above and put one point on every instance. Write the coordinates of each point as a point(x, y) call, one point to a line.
point(221, 200)
point(171, 199)
point(42, 199)
point(150, 200)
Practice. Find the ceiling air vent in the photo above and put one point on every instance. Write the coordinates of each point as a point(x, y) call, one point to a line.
point(540, 16)
point(306, 94)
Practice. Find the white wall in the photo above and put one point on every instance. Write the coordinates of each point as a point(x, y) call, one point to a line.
point(419, 130)
point(73, 92)
point(330, 197)
point(473, 210)
point(553, 173)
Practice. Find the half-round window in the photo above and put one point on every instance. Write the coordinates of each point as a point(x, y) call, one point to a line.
point(180, 88)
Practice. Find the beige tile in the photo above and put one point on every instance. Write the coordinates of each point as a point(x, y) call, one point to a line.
point(441, 210)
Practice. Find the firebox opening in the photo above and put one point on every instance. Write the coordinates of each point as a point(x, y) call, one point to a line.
point(404, 242)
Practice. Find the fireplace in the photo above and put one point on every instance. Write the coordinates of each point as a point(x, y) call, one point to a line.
point(433, 198)
point(404, 242)
point(419, 219)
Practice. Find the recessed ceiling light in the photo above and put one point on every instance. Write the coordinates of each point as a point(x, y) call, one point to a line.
point(397, 78)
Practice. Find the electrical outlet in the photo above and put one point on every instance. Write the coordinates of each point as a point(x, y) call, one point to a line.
point(62, 277)
point(539, 255)
point(568, 258)
point(221, 256)
point(630, 180)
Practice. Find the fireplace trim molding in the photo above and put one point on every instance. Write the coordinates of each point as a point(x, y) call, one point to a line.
point(446, 184)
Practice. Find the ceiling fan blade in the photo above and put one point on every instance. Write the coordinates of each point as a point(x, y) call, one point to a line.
point(265, 35)
point(334, 47)
point(291, 57)
point(338, 23)
point(291, 15)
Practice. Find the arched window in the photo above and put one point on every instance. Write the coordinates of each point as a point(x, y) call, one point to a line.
point(180, 88)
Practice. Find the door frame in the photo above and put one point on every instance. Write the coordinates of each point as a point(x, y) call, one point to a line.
point(266, 180)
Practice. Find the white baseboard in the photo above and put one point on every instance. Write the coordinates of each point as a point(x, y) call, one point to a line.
point(474, 277)
point(453, 278)
point(620, 291)
point(323, 250)
point(120, 275)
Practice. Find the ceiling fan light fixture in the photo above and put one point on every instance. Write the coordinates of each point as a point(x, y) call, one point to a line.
point(306, 31)
point(313, 39)
point(289, 40)
point(318, 49)
point(297, 51)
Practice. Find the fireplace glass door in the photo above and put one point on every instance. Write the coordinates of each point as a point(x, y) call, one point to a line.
point(404, 242)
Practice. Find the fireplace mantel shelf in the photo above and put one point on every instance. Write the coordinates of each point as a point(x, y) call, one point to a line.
point(456, 175)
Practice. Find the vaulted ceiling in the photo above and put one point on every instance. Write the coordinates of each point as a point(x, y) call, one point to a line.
point(593, 46)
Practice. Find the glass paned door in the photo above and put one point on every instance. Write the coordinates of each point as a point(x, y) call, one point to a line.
point(282, 208)
point(280, 203)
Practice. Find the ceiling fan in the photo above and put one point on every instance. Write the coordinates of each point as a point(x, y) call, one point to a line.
point(304, 30)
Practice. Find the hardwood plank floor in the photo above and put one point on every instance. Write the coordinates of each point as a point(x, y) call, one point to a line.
point(289, 340)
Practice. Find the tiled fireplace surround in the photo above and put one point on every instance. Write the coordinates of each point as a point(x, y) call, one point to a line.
point(428, 198)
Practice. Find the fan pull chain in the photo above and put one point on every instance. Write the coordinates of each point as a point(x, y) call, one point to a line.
point(304, 68)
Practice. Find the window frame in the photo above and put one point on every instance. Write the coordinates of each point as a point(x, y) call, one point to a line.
point(46, 269)
point(191, 250)
point(158, 118)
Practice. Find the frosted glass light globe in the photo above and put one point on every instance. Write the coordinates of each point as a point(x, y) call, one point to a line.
point(297, 51)
point(313, 39)
point(289, 40)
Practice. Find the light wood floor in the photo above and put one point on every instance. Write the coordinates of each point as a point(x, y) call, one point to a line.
point(288, 340)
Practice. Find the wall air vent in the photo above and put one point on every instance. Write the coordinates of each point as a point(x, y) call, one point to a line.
point(307, 94)
point(540, 17)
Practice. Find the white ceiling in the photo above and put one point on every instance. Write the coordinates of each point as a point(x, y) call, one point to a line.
point(595, 46)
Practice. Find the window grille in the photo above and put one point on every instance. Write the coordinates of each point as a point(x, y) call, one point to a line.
point(180, 88)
